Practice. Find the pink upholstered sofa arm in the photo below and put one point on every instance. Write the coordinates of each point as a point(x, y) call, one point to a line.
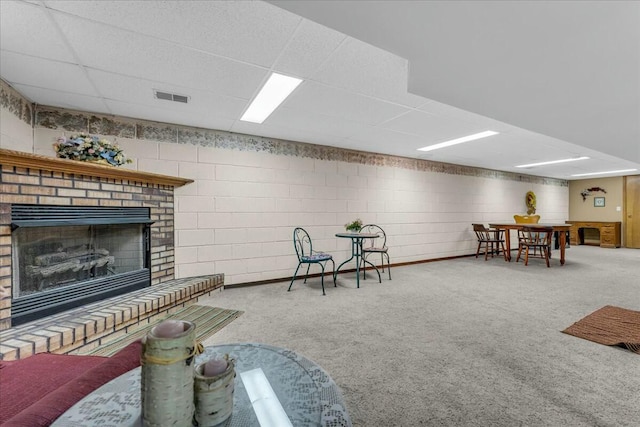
point(37, 390)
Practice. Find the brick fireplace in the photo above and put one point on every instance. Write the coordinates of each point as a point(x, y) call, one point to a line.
point(32, 180)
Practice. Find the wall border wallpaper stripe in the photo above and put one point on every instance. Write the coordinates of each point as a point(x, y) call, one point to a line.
point(77, 121)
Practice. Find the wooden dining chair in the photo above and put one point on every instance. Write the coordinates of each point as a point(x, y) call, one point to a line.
point(491, 238)
point(526, 219)
point(535, 237)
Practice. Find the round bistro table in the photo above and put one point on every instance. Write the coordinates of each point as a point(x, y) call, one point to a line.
point(356, 252)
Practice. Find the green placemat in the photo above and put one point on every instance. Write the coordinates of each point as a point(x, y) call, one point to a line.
point(208, 321)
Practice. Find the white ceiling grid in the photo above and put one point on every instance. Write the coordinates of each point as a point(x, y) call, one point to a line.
point(108, 56)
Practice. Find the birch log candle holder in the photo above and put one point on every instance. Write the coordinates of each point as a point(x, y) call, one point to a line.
point(168, 354)
point(213, 390)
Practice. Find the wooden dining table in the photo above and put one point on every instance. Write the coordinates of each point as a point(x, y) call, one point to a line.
point(560, 228)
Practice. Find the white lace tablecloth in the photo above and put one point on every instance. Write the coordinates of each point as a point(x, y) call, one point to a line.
point(307, 393)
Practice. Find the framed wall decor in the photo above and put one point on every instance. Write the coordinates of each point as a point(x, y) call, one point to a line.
point(598, 202)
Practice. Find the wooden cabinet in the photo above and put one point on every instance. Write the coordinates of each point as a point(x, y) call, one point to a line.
point(610, 234)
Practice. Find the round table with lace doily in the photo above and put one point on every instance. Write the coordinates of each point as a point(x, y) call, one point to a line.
point(306, 392)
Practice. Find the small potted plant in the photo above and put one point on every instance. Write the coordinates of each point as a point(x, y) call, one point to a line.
point(354, 226)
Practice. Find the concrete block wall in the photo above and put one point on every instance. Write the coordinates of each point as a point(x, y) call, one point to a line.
point(256, 199)
point(238, 216)
point(249, 192)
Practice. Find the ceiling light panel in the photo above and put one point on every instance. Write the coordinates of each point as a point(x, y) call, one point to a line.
point(277, 88)
point(456, 141)
point(605, 173)
point(552, 162)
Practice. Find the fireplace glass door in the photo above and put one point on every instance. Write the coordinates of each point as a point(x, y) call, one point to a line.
point(51, 257)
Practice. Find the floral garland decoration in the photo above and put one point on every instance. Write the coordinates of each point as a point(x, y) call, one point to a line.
point(587, 191)
point(530, 200)
point(90, 148)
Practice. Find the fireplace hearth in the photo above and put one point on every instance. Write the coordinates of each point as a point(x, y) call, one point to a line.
point(66, 256)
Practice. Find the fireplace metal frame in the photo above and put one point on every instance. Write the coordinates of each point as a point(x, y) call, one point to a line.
point(52, 215)
point(33, 306)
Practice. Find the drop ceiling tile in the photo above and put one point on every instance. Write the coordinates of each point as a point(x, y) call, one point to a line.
point(365, 69)
point(444, 110)
point(251, 31)
point(63, 99)
point(44, 73)
point(133, 90)
point(40, 39)
point(349, 90)
point(431, 128)
point(388, 142)
point(284, 133)
point(171, 116)
point(335, 102)
point(313, 122)
point(311, 45)
point(158, 60)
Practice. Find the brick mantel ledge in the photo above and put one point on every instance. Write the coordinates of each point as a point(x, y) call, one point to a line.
point(53, 164)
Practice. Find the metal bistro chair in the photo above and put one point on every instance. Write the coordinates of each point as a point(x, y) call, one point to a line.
point(375, 246)
point(536, 237)
point(492, 239)
point(306, 255)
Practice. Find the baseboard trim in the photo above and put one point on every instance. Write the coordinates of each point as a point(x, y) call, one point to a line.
point(351, 270)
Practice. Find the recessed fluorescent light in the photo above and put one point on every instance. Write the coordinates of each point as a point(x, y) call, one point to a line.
point(551, 162)
point(459, 140)
point(604, 173)
point(274, 91)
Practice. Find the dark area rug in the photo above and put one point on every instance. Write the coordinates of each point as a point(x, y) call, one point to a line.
point(610, 326)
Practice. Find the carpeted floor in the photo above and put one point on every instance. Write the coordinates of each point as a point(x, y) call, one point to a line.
point(610, 326)
point(459, 343)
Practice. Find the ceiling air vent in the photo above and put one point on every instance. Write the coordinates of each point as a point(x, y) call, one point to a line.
point(171, 96)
